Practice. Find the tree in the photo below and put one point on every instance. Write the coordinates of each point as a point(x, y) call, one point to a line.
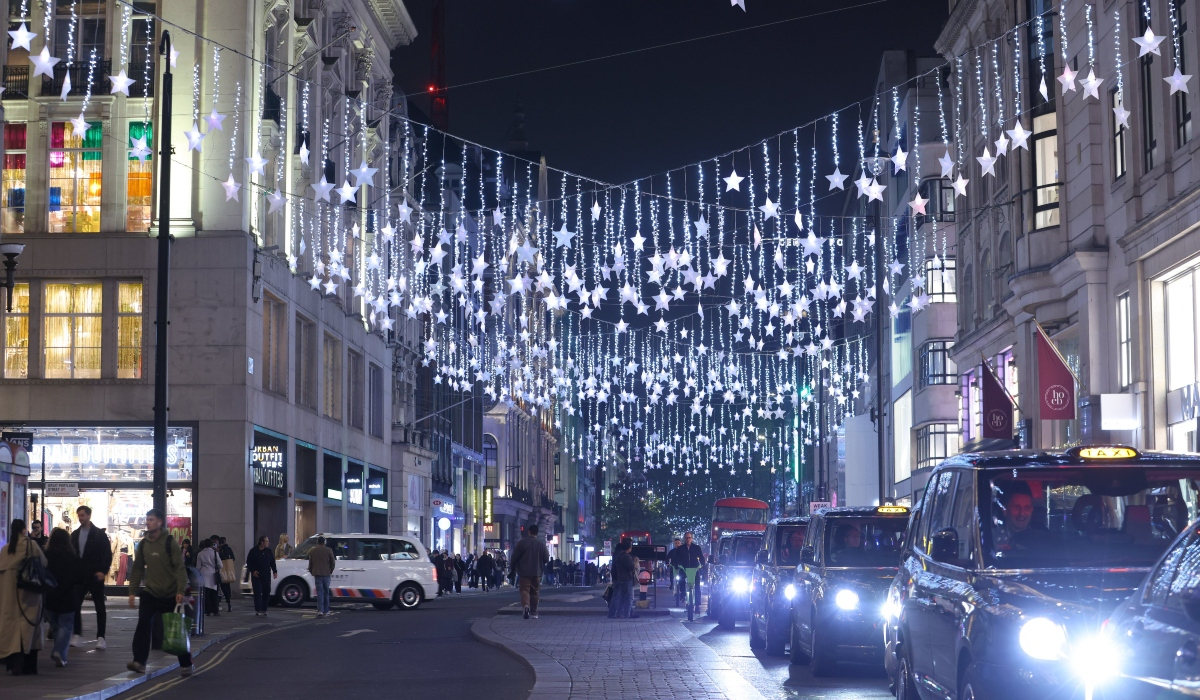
point(631, 505)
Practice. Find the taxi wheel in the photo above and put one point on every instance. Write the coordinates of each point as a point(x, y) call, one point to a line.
point(756, 640)
point(797, 654)
point(972, 688)
point(383, 606)
point(292, 593)
point(776, 637)
point(407, 597)
point(905, 688)
point(822, 657)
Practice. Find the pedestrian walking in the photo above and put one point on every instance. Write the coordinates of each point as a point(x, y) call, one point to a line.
point(439, 569)
point(485, 566)
point(283, 550)
point(62, 603)
point(95, 554)
point(528, 559)
point(228, 572)
point(260, 567)
point(21, 610)
point(622, 582)
point(37, 534)
point(189, 553)
point(157, 581)
point(460, 568)
point(321, 564)
point(208, 562)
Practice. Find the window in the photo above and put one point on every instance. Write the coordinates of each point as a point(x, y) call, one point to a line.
point(75, 170)
point(1045, 170)
point(987, 283)
point(1118, 136)
point(1181, 330)
point(970, 406)
point(71, 337)
point(935, 443)
point(12, 217)
point(141, 50)
point(936, 365)
point(936, 511)
point(375, 388)
point(940, 194)
point(1149, 143)
point(403, 550)
point(16, 335)
point(79, 25)
point(939, 282)
point(139, 181)
point(490, 450)
point(129, 330)
point(306, 362)
point(902, 437)
point(274, 345)
point(332, 469)
point(1183, 112)
point(964, 518)
point(1124, 343)
point(902, 344)
point(1044, 9)
point(333, 377)
point(356, 399)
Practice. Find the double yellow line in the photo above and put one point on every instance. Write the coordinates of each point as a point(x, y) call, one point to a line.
point(215, 661)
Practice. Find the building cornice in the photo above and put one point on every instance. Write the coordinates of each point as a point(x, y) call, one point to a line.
point(955, 26)
point(393, 16)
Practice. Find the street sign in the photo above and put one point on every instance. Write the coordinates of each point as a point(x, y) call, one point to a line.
point(814, 506)
point(23, 439)
point(608, 548)
point(62, 490)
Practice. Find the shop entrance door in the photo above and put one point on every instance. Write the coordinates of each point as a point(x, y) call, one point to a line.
point(306, 520)
point(270, 517)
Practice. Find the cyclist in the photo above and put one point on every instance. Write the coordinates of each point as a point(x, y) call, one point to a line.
point(689, 559)
point(671, 555)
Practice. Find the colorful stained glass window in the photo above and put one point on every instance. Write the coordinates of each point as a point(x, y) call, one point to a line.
point(139, 184)
point(12, 206)
point(75, 178)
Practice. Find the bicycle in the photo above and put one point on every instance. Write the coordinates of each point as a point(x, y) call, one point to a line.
point(679, 579)
point(693, 594)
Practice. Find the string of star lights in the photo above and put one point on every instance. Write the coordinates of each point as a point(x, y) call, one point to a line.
point(678, 320)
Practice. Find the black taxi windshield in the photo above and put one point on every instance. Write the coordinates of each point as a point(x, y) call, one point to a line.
point(742, 550)
point(790, 542)
point(864, 542)
point(1096, 516)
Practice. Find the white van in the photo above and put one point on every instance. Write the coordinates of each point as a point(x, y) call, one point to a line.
point(383, 570)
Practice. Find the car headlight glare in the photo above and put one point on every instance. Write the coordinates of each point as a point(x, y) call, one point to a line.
point(789, 592)
point(740, 585)
point(891, 609)
point(1096, 659)
point(1044, 639)
point(846, 599)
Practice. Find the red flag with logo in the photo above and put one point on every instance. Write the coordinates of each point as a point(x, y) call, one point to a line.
point(1056, 382)
point(997, 407)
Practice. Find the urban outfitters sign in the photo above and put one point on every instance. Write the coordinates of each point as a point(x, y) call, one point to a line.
point(268, 464)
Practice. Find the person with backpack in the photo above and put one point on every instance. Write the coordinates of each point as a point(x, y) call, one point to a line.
point(20, 608)
point(157, 582)
point(63, 603)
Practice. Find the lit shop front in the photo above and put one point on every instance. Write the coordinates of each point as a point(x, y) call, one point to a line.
point(110, 469)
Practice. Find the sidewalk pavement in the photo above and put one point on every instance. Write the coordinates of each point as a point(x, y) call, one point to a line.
point(94, 674)
point(578, 657)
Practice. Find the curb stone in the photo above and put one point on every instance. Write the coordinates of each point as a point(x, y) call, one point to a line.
point(551, 679)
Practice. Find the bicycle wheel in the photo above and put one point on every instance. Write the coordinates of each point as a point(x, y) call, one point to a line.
point(691, 605)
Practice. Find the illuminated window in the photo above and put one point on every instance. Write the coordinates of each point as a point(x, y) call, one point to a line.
point(138, 183)
point(129, 330)
point(16, 335)
point(333, 377)
point(902, 437)
point(275, 345)
point(1124, 343)
point(936, 365)
point(71, 331)
point(936, 442)
point(13, 218)
point(939, 282)
point(79, 24)
point(75, 169)
point(1045, 171)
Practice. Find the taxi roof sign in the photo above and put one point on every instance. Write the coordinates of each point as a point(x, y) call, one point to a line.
point(891, 509)
point(1106, 452)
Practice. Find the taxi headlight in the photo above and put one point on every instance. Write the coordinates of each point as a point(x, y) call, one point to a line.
point(846, 599)
point(1096, 660)
point(891, 609)
point(740, 585)
point(1044, 639)
point(789, 592)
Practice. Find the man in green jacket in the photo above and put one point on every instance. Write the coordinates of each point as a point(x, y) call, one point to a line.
point(158, 568)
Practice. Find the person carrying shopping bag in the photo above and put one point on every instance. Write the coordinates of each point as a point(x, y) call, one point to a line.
point(20, 607)
point(157, 581)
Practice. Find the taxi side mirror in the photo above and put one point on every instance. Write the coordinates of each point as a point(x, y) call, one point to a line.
point(760, 557)
point(1190, 599)
point(714, 560)
point(807, 555)
point(945, 545)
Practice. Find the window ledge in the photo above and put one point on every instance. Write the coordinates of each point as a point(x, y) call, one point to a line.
point(75, 382)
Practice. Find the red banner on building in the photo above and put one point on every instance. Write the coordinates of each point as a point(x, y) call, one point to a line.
point(997, 407)
point(1056, 381)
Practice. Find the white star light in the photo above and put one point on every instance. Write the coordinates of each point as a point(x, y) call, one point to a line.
point(733, 182)
point(1147, 44)
point(215, 120)
point(322, 189)
point(346, 192)
point(140, 149)
point(231, 188)
point(918, 204)
point(899, 160)
point(43, 63)
point(1122, 115)
point(947, 164)
point(987, 162)
point(563, 236)
point(1178, 81)
point(120, 83)
point(276, 199)
point(738, 3)
point(257, 164)
point(194, 137)
point(81, 126)
point(304, 152)
point(21, 37)
point(770, 210)
point(1067, 79)
point(1019, 136)
point(875, 191)
point(1091, 85)
point(364, 173)
point(405, 212)
point(595, 211)
point(960, 186)
point(173, 56)
point(836, 180)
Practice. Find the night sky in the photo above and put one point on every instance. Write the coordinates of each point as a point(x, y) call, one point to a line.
point(622, 118)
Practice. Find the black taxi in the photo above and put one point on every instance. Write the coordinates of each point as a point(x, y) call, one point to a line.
point(771, 590)
point(849, 559)
point(732, 566)
point(1014, 562)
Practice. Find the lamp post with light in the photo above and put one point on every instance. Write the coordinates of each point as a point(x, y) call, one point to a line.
point(10, 251)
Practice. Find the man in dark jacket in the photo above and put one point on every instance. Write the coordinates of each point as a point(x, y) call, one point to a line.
point(484, 566)
point(95, 550)
point(260, 567)
point(622, 582)
point(529, 557)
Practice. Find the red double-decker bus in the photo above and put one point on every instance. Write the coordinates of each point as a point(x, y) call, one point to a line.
point(739, 515)
point(636, 536)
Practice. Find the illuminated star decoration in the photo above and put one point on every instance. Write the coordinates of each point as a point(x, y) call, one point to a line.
point(43, 63)
point(1091, 85)
point(1067, 79)
point(899, 160)
point(960, 186)
point(947, 164)
point(733, 182)
point(564, 236)
point(1122, 115)
point(1020, 137)
point(304, 152)
point(918, 204)
point(1147, 44)
point(21, 36)
point(987, 162)
point(194, 137)
point(140, 149)
point(257, 164)
point(214, 121)
point(346, 192)
point(120, 83)
point(770, 210)
point(81, 126)
point(322, 189)
point(738, 3)
point(364, 173)
point(837, 180)
point(173, 56)
point(276, 200)
point(1178, 81)
point(231, 188)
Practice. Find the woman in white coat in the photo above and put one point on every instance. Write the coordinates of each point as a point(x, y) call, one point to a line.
point(209, 564)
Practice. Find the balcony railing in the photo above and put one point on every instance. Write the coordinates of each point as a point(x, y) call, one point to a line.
point(16, 82)
point(79, 71)
point(520, 494)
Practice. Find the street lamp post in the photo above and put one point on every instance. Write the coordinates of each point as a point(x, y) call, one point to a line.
point(876, 166)
point(164, 269)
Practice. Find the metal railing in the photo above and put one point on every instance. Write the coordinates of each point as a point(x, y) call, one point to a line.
point(16, 82)
point(79, 71)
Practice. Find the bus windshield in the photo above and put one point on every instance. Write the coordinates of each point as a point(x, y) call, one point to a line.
point(745, 516)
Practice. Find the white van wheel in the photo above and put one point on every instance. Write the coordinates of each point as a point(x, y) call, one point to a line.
point(408, 596)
